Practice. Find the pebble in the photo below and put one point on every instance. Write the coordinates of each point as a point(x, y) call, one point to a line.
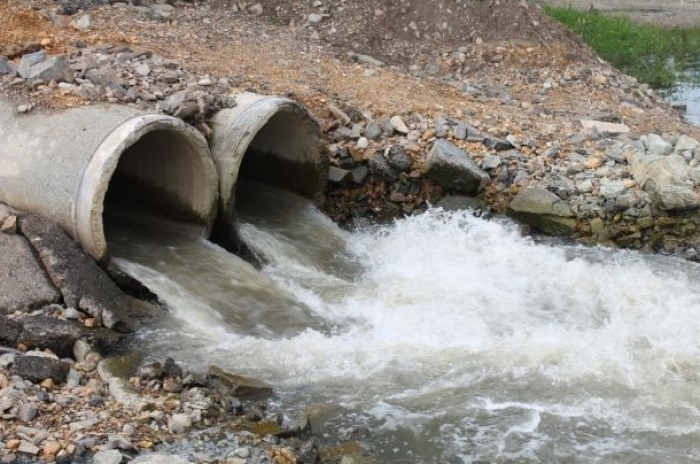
point(398, 125)
point(362, 143)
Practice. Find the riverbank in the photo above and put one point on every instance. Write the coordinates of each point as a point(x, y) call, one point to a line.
point(530, 107)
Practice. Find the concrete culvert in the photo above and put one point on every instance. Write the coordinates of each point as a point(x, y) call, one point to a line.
point(268, 140)
point(93, 167)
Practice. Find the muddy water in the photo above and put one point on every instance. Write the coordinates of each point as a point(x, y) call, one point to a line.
point(452, 338)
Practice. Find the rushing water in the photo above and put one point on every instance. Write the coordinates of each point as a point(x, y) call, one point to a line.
point(454, 339)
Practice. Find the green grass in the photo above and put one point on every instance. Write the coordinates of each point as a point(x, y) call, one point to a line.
point(651, 54)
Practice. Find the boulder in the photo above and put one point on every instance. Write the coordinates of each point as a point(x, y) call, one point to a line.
point(686, 143)
point(543, 210)
point(451, 167)
point(23, 283)
point(673, 197)
point(60, 336)
point(656, 145)
point(242, 387)
point(666, 179)
point(55, 68)
point(83, 283)
point(29, 60)
point(39, 368)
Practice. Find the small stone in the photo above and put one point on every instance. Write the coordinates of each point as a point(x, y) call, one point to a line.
point(27, 412)
point(24, 108)
point(6, 66)
point(9, 225)
point(362, 143)
point(82, 24)
point(179, 423)
point(107, 457)
point(256, 10)
point(28, 448)
point(593, 163)
point(656, 145)
point(373, 131)
point(398, 125)
point(48, 384)
point(243, 452)
point(205, 82)
point(490, 162)
point(51, 448)
point(142, 69)
point(315, 18)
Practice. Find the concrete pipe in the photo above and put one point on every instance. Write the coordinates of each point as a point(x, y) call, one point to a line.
point(79, 166)
point(269, 140)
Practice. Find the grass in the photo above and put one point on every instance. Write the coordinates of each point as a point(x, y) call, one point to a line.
point(653, 55)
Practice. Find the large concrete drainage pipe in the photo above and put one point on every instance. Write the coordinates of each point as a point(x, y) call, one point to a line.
point(81, 165)
point(268, 140)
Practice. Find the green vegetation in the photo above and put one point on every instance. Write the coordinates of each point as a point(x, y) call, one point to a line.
point(651, 54)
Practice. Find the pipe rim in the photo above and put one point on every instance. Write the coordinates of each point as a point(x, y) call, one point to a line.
point(266, 107)
point(94, 183)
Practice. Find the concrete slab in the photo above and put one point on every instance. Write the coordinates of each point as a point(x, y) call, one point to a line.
point(23, 283)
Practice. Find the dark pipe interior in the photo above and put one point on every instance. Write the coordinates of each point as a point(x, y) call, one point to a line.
point(156, 183)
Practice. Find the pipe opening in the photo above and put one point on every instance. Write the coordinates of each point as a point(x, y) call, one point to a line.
point(156, 178)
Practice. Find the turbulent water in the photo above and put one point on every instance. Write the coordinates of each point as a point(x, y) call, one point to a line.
point(454, 339)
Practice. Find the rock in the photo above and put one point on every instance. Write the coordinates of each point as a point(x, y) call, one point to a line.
point(362, 143)
point(673, 197)
point(23, 283)
point(373, 131)
point(490, 162)
point(585, 186)
point(666, 179)
point(51, 448)
point(451, 167)
point(338, 176)
point(150, 371)
point(61, 336)
point(28, 448)
point(399, 159)
point(344, 133)
point(169, 76)
point(543, 210)
point(179, 423)
point(398, 125)
point(683, 144)
point(359, 174)
point(158, 459)
point(9, 225)
point(610, 189)
point(241, 387)
point(115, 372)
point(458, 202)
point(655, 145)
point(605, 127)
point(142, 69)
point(37, 368)
point(379, 164)
point(84, 23)
point(30, 60)
point(171, 369)
point(107, 457)
point(256, 10)
point(315, 18)
point(104, 77)
point(55, 68)
point(27, 412)
point(365, 59)
point(6, 66)
point(83, 283)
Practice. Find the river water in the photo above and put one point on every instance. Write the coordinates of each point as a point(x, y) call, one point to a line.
point(452, 338)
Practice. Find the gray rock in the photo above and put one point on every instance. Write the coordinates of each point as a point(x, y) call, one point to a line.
point(107, 457)
point(256, 10)
point(83, 283)
point(685, 143)
point(399, 159)
point(158, 459)
point(104, 77)
point(115, 372)
point(359, 174)
point(610, 189)
point(543, 210)
point(27, 412)
point(616, 153)
point(373, 131)
point(23, 283)
point(6, 66)
point(380, 165)
point(84, 23)
point(55, 68)
point(459, 202)
point(240, 386)
point(347, 133)
point(460, 130)
point(38, 368)
point(27, 447)
point(673, 197)
point(338, 176)
point(179, 423)
point(656, 145)
point(694, 175)
point(490, 162)
point(169, 76)
point(142, 69)
point(451, 167)
point(29, 60)
point(585, 186)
